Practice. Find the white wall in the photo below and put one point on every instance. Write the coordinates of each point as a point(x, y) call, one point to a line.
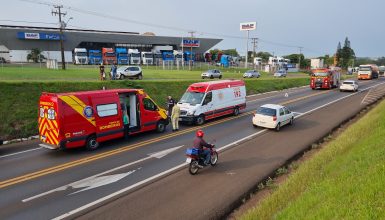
point(21, 55)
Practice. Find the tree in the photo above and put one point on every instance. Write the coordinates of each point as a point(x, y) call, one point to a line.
point(264, 55)
point(338, 53)
point(347, 55)
point(35, 55)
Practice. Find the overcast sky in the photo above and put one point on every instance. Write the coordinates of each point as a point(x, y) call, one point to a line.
point(282, 25)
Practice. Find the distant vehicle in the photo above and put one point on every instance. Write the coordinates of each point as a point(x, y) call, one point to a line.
point(251, 74)
point(368, 71)
point(122, 56)
point(168, 56)
point(257, 61)
point(325, 78)
point(80, 56)
point(280, 73)
point(147, 58)
point(109, 56)
point(214, 73)
point(178, 54)
point(95, 57)
point(381, 70)
point(131, 72)
point(2, 60)
point(134, 56)
point(207, 100)
point(157, 58)
point(349, 85)
point(87, 118)
point(272, 116)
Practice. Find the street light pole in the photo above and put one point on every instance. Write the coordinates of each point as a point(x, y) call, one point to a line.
point(191, 44)
point(247, 49)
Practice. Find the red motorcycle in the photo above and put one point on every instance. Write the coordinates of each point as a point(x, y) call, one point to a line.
point(196, 159)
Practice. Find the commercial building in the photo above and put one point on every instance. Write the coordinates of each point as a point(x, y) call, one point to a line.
point(16, 42)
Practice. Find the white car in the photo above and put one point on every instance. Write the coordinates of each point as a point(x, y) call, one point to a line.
point(251, 74)
point(280, 73)
point(214, 73)
point(272, 116)
point(129, 72)
point(349, 85)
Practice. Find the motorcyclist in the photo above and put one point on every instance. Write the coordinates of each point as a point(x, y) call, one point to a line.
point(199, 143)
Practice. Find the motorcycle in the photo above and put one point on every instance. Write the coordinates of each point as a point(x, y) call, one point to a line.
point(196, 160)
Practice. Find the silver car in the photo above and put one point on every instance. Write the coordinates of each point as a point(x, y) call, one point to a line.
point(129, 72)
point(251, 74)
point(214, 73)
point(280, 73)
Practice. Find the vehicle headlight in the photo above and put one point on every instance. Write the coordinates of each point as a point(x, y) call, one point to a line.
point(190, 113)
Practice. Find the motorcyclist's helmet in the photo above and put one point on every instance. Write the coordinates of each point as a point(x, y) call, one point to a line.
point(200, 133)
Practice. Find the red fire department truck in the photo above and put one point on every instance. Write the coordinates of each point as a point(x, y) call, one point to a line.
point(325, 78)
point(70, 120)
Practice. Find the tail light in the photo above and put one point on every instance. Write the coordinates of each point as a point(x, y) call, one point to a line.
point(274, 118)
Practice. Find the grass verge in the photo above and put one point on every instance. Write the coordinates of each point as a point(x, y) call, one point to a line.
point(344, 180)
point(19, 104)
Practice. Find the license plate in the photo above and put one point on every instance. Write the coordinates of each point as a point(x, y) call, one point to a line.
point(188, 160)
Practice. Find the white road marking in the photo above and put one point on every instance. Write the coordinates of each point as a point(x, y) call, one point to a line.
point(158, 155)
point(84, 207)
point(13, 154)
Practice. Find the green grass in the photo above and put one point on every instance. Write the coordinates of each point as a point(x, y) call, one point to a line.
point(19, 105)
point(345, 180)
point(91, 73)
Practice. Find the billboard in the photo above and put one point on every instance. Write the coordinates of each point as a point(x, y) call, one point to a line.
point(191, 43)
point(38, 36)
point(248, 26)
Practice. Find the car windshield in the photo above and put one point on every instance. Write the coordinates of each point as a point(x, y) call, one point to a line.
point(349, 83)
point(250, 71)
point(210, 71)
point(192, 98)
point(366, 68)
point(266, 111)
point(320, 74)
point(122, 68)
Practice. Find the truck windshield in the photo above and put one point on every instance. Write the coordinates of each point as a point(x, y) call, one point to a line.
point(95, 54)
point(366, 68)
point(320, 74)
point(148, 55)
point(192, 98)
point(135, 55)
point(266, 111)
point(123, 54)
point(81, 54)
point(110, 54)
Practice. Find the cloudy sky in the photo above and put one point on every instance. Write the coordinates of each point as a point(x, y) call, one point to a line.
point(282, 25)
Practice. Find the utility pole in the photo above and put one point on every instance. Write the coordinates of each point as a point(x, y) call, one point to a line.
point(299, 58)
point(247, 49)
point(255, 42)
point(191, 56)
point(61, 27)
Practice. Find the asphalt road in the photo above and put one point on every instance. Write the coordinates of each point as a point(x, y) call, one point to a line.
point(146, 178)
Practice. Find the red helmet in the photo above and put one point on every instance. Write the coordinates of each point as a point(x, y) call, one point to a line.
point(200, 133)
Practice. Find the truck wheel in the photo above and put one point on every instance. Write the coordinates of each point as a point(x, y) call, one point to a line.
point(160, 127)
point(236, 111)
point(92, 143)
point(200, 120)
point(121, 77)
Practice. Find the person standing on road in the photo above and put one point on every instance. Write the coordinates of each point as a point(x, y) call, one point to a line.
point(170, 103)
point(113, 71)
point(125, 123)
point(102, 72)
point(175, 117)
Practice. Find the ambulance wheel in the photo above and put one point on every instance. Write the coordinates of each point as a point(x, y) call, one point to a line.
point(236, 111)
point(160, 127)
point(121, 77)
point(92, 143)
point(200, 120)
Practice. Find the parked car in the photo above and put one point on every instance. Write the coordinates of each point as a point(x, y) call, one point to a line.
point(280, 73)
point(214, 73)
point(272, 116)
point(349, 85)
point(129, 72)
point(2, 60)
point(251, 74)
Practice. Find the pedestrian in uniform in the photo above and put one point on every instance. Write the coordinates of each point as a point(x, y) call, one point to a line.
point(125, 123)
point(175, 117)
point(170, 103)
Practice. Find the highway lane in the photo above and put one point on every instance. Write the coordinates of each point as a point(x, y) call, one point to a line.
point(54, 203)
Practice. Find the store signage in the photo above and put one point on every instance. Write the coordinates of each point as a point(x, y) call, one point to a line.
point(248, 26)
point(38, 36)
point(191, 43)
